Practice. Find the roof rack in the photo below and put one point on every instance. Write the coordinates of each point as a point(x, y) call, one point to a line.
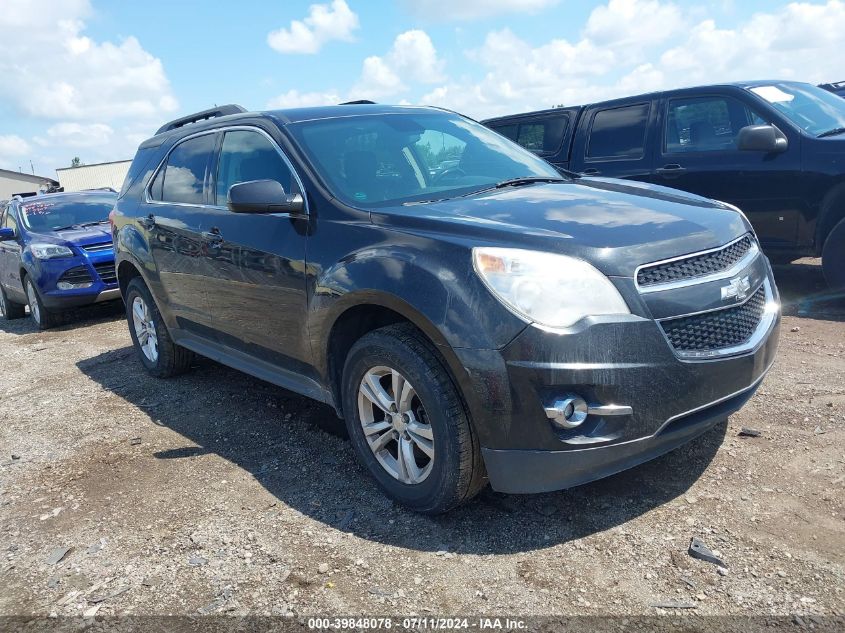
point(211, 113)
point(358, 102)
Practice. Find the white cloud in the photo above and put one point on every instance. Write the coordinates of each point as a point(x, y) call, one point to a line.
point(50, 69)
point(445, 10)
point(323, 24)
point(412, 57)
point(72, 134)
point(633, 22)
point(634, 46)
point(296, 99)
point(13, 146)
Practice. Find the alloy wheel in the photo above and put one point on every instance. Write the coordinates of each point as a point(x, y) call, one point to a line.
point(396, 425)
point(145, 329)
point(32, 299)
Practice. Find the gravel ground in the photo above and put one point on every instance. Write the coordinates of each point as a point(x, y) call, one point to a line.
point(217, 493)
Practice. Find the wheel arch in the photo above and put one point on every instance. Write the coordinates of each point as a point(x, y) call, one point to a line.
point(832, 211)
point(362, 315)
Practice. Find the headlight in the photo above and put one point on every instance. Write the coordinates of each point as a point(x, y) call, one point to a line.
point(552, 290)
point(50, 251)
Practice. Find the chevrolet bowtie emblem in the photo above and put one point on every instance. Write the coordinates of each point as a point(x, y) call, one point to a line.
point(737, 289)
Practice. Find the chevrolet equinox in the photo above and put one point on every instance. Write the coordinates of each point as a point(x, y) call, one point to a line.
point(473, 314)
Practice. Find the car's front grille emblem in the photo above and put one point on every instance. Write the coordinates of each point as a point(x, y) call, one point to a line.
point(737, 289)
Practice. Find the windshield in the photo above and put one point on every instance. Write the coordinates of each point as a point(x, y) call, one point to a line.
point(388, 159)
point(50, 214)
point(815, 110)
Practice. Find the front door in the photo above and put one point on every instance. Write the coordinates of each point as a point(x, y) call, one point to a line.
point(10, 258)
point(256, 287)
point(171, 218)
point(698, 154)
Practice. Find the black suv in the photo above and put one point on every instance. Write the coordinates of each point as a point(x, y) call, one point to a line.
point(468, 310)
point(776, 149)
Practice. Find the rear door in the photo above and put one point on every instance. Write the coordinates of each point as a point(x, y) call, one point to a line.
point(615, 140)
point(256, 286)
point(698, 153)
point(171, 216)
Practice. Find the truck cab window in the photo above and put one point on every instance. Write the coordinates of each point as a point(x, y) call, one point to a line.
point(619, 132)
point(706, 124)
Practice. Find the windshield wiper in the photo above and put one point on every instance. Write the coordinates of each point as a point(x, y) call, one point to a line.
point(833, 132)
point(510, 182)
point(515, 182)
point(81, 225)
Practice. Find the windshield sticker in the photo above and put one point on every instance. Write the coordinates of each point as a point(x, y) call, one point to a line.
point(773, 94)
point(38, 208)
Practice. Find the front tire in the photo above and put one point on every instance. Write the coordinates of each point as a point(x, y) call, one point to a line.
point(160, 356)
point(10, 309)
point(40, 315)
point(407, 422)
point(833, 258)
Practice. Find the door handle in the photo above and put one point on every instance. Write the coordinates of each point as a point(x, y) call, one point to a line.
point(671, 171)
point(149, 222)
point(592, 171)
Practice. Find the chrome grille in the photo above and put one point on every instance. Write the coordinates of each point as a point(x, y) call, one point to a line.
point(97, 248)
point(718, 329)
point(695, 265)
point(107, 272)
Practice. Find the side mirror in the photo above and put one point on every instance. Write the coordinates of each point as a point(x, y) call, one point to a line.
point(761, 138)
point(7, 234)
point(264, 196)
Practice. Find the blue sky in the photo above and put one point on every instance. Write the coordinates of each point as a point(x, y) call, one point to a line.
point(92, 78)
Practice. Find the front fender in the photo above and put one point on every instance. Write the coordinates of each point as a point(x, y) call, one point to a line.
point(432, 285)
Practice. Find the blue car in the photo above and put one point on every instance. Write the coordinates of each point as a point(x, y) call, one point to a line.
point(56, 254)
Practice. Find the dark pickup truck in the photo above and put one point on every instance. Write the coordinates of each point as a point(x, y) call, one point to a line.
point(775, 149)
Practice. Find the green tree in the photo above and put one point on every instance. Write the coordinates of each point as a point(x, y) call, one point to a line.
point(76, 162)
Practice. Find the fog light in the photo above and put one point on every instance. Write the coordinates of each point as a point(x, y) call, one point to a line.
point(568, 412)
point(66, 285)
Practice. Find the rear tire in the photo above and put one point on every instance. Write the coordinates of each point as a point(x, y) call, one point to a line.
point(833, 258)
point(10, 309)
point(160, 356)
point(40, 315)
point(418, 444)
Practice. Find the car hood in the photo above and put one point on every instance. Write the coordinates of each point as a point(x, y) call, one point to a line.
point(85, 236)
point(616, 225)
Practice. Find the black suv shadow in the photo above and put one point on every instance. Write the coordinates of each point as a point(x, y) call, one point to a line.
point(804, 292)
point(76, 318)
point(278, 437)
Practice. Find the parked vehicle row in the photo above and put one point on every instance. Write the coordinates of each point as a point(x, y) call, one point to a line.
point(472, 313)
point(56, 253)
point(774, 149)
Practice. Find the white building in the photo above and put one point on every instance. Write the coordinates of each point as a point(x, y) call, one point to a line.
point(12, 182)
point(94, 176)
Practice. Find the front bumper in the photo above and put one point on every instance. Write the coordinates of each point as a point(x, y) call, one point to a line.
point(607, 361)
point(97, 266)
point(67, 299)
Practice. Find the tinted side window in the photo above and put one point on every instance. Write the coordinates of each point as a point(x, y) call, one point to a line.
point(508, 130)
point(249, 156)
point(185, 172)
point(705, 124)
point(619, 132)
point(9, 220)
